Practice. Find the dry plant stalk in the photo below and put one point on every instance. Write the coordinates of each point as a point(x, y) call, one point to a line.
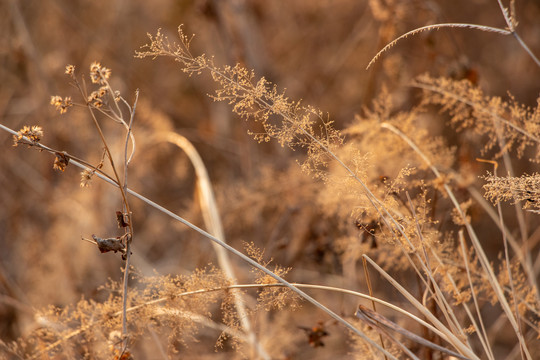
point(104, 101)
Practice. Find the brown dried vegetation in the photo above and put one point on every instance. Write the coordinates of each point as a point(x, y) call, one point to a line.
point(370, 204)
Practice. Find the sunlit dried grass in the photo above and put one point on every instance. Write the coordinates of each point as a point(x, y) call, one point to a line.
point(383, 190)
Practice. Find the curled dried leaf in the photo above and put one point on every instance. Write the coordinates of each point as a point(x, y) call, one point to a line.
point(61, 161)
point(122, 219)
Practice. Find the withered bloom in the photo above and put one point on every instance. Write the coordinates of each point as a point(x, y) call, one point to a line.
point(61, 161)
point(33, 134)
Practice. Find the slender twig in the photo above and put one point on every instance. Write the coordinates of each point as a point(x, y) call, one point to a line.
point(370, 289)
point(127, 212)
point(121, 187)
point(108, 151)
point(84, 164)
point(526, 48)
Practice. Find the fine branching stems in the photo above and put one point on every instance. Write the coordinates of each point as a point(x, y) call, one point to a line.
point(121, 186)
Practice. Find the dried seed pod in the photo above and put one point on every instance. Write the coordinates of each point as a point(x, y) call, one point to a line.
point(315, 334)
point(110, 244)
point(122, 219)
point(61, 161)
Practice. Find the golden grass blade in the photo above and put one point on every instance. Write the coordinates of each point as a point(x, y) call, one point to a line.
point(376, 320)
point(445, 333)
point(213, 223)
point(482, 333)
point(486, 265)
point(436, 27)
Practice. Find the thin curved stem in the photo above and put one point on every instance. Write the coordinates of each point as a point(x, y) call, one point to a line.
point(436, 27)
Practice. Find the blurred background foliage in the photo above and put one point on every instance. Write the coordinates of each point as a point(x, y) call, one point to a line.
point(316, 50)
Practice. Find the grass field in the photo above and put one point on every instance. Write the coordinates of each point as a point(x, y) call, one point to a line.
point(269, 179)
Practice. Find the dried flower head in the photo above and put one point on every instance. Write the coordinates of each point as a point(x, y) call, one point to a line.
point(86, 177)
point(97, 103)
point(61, 104)
point(115, 338)
point(61, 161)
point(97, 97)
point(93, 96)
point(56, 100)
point(110, 244)
point(70, 70)
point(99, 74)
point(517, 189)
point(34, 134)
point(122, 219)
point(103, 91)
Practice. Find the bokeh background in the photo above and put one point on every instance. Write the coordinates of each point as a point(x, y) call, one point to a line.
point(316, 50)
